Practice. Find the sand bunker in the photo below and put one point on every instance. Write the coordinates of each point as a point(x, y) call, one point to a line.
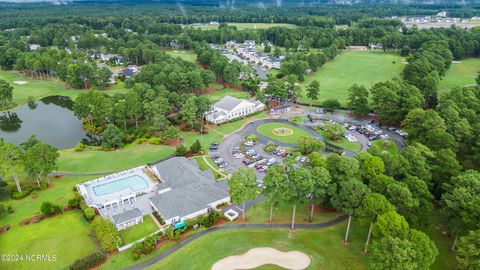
point(256, 257)
point(20, 82)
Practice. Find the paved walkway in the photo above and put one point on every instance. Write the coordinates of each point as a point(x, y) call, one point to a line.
point(186, 241)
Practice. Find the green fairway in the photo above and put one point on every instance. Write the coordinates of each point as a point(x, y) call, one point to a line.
point(136, 232)
point(189, 56)
point(92, 161)
point(267, 130)
point(36, 88)
point(39, 89)
point(66, 236)
point(460, 74)
point(243, 26)
point(323, 246)
point(348, 68)
point(219, 94)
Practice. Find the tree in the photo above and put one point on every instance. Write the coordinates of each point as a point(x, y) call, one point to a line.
point(105, 232)
point(196, 147)
point(323, 187)
point(134, 106)
point(274, 181)
point(300, 185)
point(358, 99)
point(243, 187)
point(468, 251)
point(334, 131)
point(313, 90)
point(112, 137)
point(49, 209)
point(10, 161)
point(373, 205)
point(307, 145)
point(461, 201)
point(370, 166)
point(331, 104)
point(189, 111)
point(342, 168)
point(180, 150)
point(348, 198)
point(390, 224)
point(47, 157)
point(6, 94)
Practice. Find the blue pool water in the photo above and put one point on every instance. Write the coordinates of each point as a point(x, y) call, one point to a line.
point(134, 182)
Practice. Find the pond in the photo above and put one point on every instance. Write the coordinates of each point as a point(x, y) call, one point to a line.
point(51, 119)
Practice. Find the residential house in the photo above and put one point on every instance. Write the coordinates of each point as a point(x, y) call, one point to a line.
point(231, 108)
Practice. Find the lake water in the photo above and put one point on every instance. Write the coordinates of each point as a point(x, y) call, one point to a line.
point(51, 119)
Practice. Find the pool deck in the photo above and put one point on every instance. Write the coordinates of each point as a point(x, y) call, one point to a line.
point(115, 200)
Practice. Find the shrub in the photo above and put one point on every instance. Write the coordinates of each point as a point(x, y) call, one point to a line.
point(145, 247)
point(197, 127)
point(270, 147)
point(251, 137)
point(141, 140)
point(10, 209)
point(89, 213)
point(106, 234)
point(50, 209)
point(211, 219)
point(25, 192)
point(80, 147)
point(181, 150)
point(74, 202)
point(155, 141)
point(331, 104)
point(158, 217)
point(196, 147)
point(88, 261)
point(3, 211)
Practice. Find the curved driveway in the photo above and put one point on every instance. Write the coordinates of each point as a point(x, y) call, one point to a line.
point(186, 241)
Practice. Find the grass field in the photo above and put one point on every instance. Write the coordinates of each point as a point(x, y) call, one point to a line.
point(139, 231)
point(92, 161)
point(189, 56)
point(219, 94)
point(60, 191)
point(204, 165)
point(267, 128)
point(243, 26)
point(65, 236)
point(348, 68)
point(461, 74)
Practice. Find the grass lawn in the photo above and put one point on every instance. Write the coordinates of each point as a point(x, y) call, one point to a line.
point(267, 128)
point(348, 68)
point(60, 191)
point(219, 94)
point(139, 231)
point(343, 143)
point(322, 245)
point(282, 214)
point(205, 139)
point(242, 26)
point(385, 145)
point(446, 258)
point(460, 74)
point(92, 161)
point(228, 128)
point(66, 236)
point(189, 56)
point(203, 165)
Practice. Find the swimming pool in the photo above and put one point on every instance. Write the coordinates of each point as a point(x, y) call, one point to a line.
point(134, 183)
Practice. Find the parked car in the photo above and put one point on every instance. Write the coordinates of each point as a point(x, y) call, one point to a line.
point(223, 165)
point(249, 143)
point(250, 152)
point(239, 155)
point(213, 146)
point(247, 161)
point(263, 168)
point(258, 158)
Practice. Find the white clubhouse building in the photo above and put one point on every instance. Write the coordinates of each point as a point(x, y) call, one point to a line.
point(229, 108)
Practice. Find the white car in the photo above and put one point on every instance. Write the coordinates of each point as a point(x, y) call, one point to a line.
point(239, 155)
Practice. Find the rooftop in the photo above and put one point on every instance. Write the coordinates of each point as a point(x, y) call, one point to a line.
point(228, 103)
point(127, 216)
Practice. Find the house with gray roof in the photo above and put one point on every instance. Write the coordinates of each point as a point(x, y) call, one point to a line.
point(185, 191)
point(229, 108)
point(128, 218)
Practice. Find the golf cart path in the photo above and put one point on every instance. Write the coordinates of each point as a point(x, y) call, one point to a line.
point(186, 241)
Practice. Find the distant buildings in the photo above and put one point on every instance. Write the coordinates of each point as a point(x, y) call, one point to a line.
point(33, 47)
point(229, 108)
point(130, 71)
